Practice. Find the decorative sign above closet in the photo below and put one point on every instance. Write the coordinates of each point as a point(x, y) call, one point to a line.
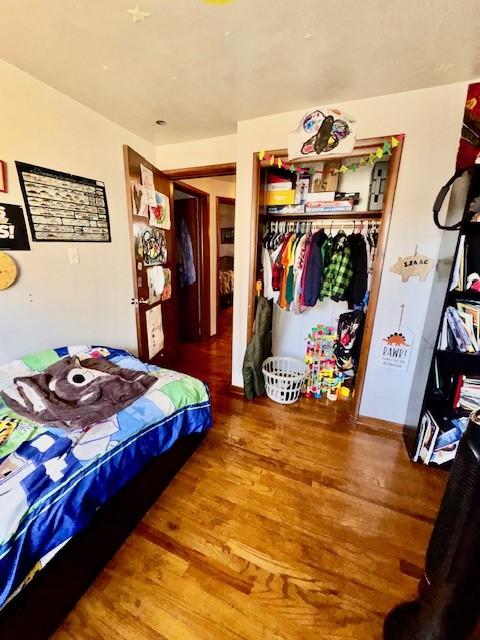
point(322, 132)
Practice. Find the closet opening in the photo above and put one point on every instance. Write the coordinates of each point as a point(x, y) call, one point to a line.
point(192, 262)
point(322, 231)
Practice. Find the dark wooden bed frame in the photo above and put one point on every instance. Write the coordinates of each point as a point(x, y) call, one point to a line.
point(42, 605)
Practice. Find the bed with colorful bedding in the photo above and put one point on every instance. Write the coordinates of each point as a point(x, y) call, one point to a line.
point(77, 424)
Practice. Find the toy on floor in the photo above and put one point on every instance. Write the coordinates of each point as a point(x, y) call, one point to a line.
point(323, 376)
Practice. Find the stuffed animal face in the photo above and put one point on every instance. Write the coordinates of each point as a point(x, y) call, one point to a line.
point(74, 393)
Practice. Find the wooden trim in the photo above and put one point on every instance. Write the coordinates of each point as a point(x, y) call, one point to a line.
point(381, 425)
point(362, 147)
point(220, 200)
point(126, 151)
point(225, 200)
point(203, 269)
point(237, 391)
point(3, 173)
point(208, 171)
point(393, 172)
point(188, 188)
point(252, 263)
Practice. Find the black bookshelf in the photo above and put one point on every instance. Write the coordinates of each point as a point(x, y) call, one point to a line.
point(448, 364)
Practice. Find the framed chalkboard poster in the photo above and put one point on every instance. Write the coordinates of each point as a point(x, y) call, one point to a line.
point(62, 207)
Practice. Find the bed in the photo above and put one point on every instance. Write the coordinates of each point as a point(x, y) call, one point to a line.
point(73, 486)
point(226, 279)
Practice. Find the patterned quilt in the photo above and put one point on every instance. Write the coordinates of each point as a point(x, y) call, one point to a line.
point(53, 478)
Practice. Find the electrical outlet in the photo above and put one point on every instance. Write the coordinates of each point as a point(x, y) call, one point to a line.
point(73, 256)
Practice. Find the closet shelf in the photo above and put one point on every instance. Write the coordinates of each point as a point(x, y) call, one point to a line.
point(345, 215)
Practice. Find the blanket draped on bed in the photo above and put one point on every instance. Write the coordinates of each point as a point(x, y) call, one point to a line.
point(76, 425)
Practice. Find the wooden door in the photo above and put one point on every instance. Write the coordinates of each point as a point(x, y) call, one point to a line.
point(151, 347)
point(187, 211)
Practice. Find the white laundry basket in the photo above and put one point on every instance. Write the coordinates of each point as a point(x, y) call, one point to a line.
point(283, 378)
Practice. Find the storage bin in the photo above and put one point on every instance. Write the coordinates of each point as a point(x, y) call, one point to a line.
point(283, 378)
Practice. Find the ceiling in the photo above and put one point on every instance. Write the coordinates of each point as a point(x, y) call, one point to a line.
point(202, 67)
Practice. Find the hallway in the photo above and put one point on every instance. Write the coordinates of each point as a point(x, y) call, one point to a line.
point(288, 523)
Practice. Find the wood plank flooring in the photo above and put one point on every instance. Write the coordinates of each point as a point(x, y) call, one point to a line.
point(289, 523)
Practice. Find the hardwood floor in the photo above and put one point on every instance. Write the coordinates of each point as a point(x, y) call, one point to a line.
point(288, 523)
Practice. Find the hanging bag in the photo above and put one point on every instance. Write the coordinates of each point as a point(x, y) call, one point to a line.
point(473, 192)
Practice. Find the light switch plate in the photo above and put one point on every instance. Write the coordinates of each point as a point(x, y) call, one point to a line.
point(73, 256)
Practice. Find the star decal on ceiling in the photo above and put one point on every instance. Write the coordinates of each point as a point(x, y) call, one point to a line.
point(138, 15)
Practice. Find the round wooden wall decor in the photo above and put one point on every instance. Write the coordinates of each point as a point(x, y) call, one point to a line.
point(8, 271)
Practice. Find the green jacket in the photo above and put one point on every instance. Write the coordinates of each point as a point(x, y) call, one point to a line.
point(258, 349)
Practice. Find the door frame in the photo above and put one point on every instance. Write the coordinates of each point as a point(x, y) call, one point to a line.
point(220, 200)
point(203, 268)
point(205, 171)
point(362, 148)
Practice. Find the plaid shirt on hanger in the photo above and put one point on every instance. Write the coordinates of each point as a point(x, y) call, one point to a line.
point(339, 272)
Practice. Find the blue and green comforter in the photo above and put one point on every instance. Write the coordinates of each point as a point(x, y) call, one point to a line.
point(52, 480)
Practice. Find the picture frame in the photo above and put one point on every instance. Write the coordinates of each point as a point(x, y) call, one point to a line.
point(3, 177)
point(227, 235)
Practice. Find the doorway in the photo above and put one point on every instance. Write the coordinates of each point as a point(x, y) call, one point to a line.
point(192, 262)
point(219, 182)
point(225, 263)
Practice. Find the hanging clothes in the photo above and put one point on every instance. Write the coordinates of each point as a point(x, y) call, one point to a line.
point(268, 291)
point(357, 288)
point(339, 271)
point(300, 267)
point(188, 274)
point(314, 269)
point(350, 332)
point(258, 349)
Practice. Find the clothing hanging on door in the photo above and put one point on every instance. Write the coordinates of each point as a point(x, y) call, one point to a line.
point(187, 272)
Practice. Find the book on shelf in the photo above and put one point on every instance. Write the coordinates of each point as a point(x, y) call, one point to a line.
point(473, 310)
point(446, 443)
point(279, 186)
point(438, 440)
point(429, 431)
point(469, 397)
point(333, 196)
point(327, 207)
point(458, 273)
point(286, 209)
point(458, 332)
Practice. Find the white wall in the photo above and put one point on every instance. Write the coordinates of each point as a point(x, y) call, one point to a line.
point(54, 304)
point(198, 153)
point(215, 188)
point(431, 120)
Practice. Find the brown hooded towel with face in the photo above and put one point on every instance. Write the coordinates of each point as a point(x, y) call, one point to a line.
point(76, 393)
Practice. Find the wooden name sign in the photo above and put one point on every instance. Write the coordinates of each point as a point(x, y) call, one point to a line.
point(410, 266)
